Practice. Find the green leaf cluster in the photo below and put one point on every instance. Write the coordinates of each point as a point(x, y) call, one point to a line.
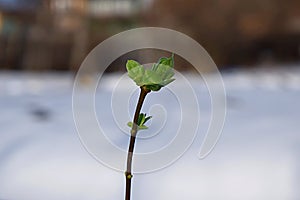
point(141, 121)
point(160, 75)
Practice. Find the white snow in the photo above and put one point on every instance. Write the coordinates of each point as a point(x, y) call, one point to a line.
point(257, 157)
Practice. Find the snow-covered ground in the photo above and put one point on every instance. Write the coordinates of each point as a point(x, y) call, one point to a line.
point(256, 158)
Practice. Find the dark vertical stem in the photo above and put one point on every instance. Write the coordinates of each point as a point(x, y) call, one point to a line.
point(128, 174)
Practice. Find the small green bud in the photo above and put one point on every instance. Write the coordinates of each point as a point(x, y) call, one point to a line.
point(141, 121)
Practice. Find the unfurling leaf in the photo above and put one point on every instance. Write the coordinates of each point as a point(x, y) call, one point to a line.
point(154, 79)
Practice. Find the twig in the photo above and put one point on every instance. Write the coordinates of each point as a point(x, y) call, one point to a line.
point(128, 174)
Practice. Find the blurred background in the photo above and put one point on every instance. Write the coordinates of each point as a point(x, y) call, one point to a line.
point(256, 46)
point(58, 34)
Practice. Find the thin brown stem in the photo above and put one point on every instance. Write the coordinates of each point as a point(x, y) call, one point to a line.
point(128, 174)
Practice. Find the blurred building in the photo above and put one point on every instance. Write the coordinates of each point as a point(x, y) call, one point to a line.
point(58, 34)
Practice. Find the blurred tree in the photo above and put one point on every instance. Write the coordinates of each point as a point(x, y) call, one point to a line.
point(226, 28)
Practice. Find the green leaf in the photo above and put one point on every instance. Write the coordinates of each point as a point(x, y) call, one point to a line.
point(164, 61)
point(137, 74)
point(141, 119)
point(132, 64)
point(151, 77)
point(130, 124)
point(147, 118)
point(166, 82)
point(165, 71)
point(143, 127)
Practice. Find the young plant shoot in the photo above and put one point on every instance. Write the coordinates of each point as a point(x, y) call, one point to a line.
point(160, 75)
